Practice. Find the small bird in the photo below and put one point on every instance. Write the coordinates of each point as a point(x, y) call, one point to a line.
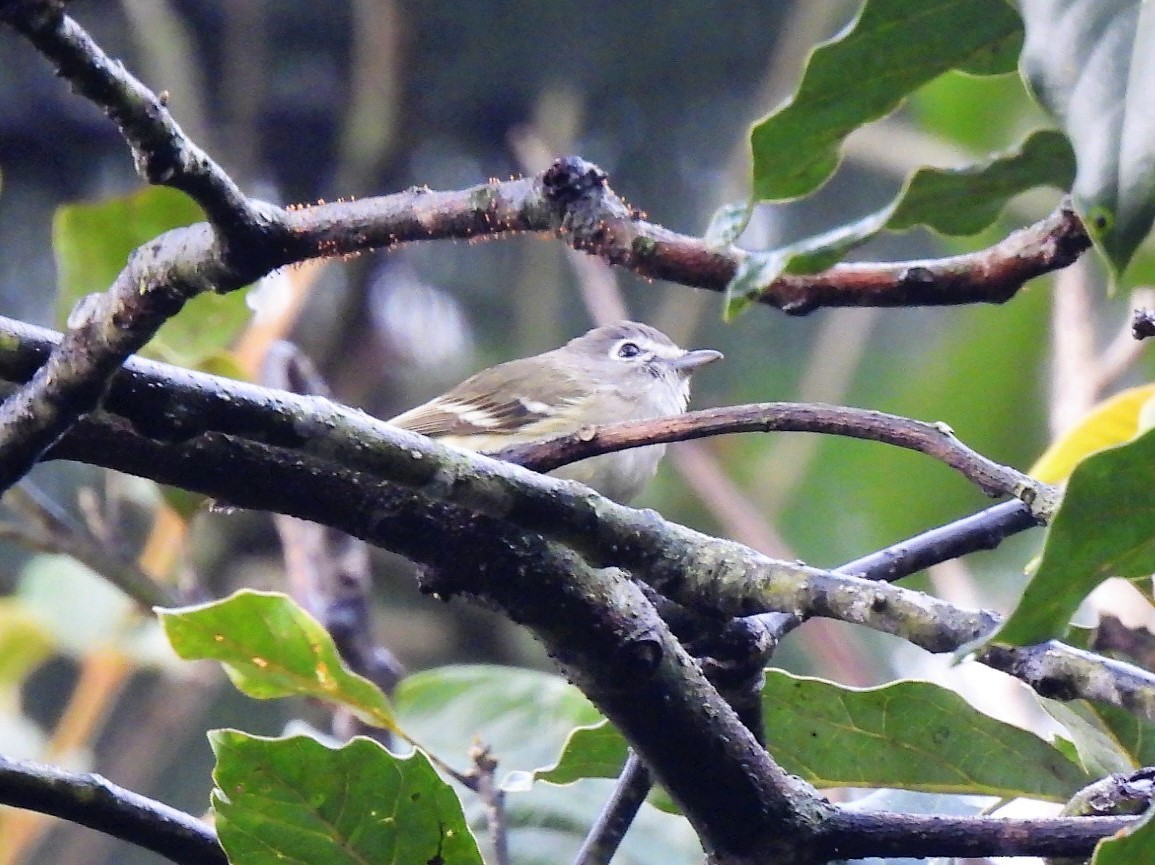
point(617, 372)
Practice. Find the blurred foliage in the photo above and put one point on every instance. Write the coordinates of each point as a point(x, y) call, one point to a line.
point(93, 243)
point(468, 91)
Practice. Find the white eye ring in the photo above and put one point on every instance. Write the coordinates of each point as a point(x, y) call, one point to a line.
point(628, 349)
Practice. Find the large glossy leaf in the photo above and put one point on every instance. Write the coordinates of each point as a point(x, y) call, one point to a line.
point(1091, 63)
point(913, 735)
point(92, 242)
point(1105, 527)
point(296, 800)
point(863, 74)
point(271, 648)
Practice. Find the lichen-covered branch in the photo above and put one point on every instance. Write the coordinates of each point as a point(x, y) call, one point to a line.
point(246, 239)
point(238, 442)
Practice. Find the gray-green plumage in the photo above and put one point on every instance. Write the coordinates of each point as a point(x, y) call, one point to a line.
point(617, 372)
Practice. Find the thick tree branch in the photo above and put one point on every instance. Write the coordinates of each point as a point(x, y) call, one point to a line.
point(854, 834)
point(596, 623)
point(238, 442)
point(247, 239)
point(93, 801)
point(47, 528)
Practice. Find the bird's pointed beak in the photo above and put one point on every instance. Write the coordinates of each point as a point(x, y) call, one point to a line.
point(691, 360)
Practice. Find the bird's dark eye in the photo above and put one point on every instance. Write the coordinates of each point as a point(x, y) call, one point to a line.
point(629, 349)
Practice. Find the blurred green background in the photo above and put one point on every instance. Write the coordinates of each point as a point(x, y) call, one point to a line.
point(306, 101)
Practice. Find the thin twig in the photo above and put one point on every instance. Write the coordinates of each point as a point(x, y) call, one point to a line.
point(605, 836)
point(933, 439)
point(50, 529)
point(351, 450)
point(1124, 350)
point(96, 802)
point(492, 797)
point(982, 531)
point(1143, 324)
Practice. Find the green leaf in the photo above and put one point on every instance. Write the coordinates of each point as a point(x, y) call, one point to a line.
point(728, 221)
point(1105, 527)
point(1133, 847)
point(296, 800)
point(271, 648)
point(92, 242)
point(754, 274)
point(1099, 750)
point(597, 751)
point(966, 200)
point(957, 201)
point(864, 73)
point(523, 715)
point(25, 643)
point(913, 735)
point(1091, 63)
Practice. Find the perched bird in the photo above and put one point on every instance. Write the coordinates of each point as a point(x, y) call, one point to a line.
point(617, 372)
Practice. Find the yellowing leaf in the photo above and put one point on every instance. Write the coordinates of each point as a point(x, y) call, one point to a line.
point(272, 648)
point(1112, 422)
point(25, 641)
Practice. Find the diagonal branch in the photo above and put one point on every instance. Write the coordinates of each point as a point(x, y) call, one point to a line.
point(96, 802)
point(598, 626)
point(47, 527)
point(603, 225)
point(239, 443)
point(163, 154)
point(246, 239)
